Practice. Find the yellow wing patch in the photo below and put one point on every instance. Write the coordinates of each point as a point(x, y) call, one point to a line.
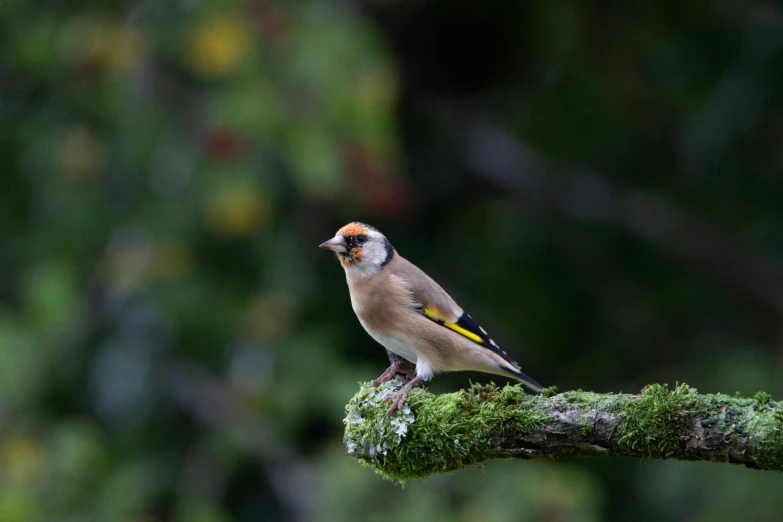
point(470, 335)
point(435, 314)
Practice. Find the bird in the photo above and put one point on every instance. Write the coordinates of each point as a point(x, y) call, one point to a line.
point(410, 315)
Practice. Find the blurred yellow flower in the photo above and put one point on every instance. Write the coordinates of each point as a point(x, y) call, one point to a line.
point(78, 152)
point(171, 259)
point(23, 460)
point(128, 259)
point(267, 316)
point(217, 47)
point(376, 89)
point(238, 210)
point(104, 44)
point(118, 47)
point(134, 261)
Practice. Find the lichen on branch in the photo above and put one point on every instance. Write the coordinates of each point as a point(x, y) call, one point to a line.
point(443, 433)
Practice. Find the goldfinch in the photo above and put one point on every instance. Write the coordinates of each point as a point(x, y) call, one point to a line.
point(409, 314)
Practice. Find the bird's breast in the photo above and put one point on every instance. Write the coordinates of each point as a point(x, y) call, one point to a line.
point(383, 309)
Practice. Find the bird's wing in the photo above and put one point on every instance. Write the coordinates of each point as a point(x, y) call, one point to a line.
point(434, 303)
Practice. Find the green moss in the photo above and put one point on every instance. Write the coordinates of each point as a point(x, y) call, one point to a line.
point(447, 432)
point(550, 392)
point(587, 430)
point(767, 431)
point(762, 398)
point(654, 423)
point(770, 449)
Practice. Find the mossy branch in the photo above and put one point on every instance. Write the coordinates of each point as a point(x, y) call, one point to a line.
point(435, 434)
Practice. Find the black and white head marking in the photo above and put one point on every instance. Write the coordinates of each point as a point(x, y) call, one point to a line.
point(367, 250)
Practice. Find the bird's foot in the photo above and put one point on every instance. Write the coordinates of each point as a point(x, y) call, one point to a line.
point(398, 399)
point(404, 368)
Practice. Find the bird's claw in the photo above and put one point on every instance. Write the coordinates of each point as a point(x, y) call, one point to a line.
point(398, 399)
point(406, 369)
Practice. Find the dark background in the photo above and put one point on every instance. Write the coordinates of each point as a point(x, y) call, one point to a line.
point(599, 184)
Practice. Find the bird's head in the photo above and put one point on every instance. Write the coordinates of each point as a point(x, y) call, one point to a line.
point(360, 248)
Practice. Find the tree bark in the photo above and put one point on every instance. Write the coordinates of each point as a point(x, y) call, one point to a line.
point(435, 434)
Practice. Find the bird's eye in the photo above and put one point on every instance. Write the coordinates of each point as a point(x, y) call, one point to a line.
point(361, 239)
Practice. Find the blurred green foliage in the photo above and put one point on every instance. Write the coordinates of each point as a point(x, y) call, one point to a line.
point(173, 346)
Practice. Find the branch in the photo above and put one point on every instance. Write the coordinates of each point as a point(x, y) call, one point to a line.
point(437, 434)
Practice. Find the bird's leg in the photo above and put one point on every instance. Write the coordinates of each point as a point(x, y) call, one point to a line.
point(398, 399)
point(387, 375)
point(397, 366)
point(407, 369)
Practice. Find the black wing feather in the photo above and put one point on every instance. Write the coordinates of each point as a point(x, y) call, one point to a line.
point(465, 321)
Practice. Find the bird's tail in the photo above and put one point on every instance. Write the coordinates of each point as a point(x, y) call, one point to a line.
point(527, 381)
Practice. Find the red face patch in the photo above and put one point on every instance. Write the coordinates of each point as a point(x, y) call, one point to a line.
point(352, 229)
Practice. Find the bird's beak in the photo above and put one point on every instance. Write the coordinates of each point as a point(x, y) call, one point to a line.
point(337, 243)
